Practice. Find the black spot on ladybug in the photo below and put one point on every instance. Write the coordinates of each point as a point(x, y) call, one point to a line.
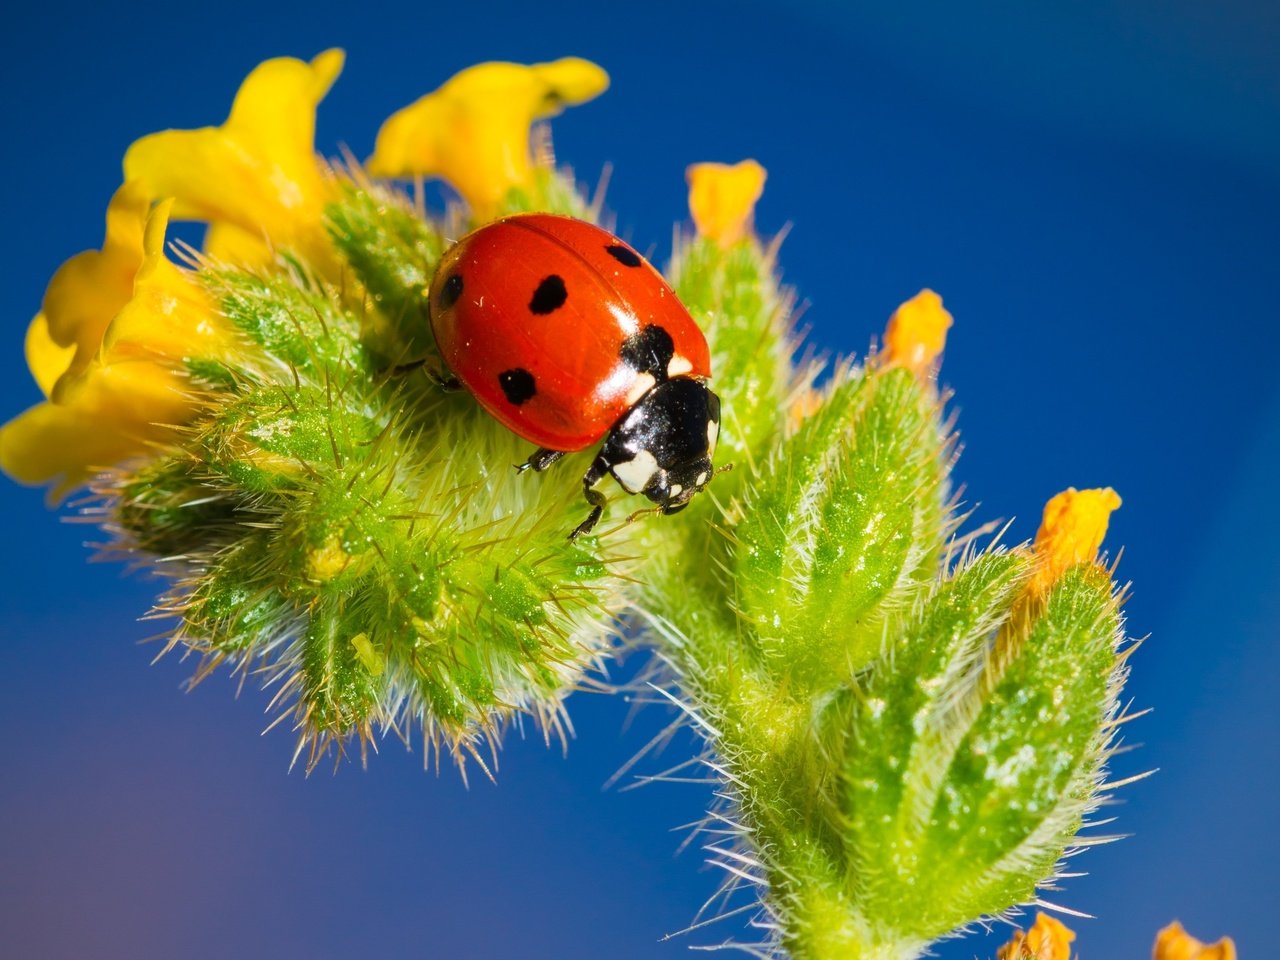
point(517, 384)
point(550, 295)
point(451, 291)
point(624, 255)
point(649, 351)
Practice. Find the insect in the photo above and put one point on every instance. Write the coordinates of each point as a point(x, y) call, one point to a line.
point(567, 335)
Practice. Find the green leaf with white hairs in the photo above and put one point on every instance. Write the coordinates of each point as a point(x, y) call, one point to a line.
point(840, 529)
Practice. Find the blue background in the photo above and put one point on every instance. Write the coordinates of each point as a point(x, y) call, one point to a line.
point(1094, 188)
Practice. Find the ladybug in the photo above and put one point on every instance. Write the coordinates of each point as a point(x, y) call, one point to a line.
point(566, 335)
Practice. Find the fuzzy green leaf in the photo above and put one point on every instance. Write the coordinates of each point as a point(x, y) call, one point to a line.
point(960, 795)
point(841, 528)
point(1025, 774)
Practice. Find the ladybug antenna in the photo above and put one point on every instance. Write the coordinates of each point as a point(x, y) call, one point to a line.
point(723, 468)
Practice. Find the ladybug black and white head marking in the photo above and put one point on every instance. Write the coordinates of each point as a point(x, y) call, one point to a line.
point(663, 448)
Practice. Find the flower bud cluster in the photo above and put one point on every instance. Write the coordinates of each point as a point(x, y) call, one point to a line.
point(362, 534)
point(912, 731)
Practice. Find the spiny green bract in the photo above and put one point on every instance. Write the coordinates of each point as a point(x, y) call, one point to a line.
point(358, 535)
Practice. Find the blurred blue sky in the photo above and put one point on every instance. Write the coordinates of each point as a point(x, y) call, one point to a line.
point(1093, 187)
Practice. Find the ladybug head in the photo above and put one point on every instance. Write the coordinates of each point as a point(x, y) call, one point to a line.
point(664, 446)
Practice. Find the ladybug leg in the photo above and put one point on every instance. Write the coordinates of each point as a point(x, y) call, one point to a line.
point(401, 369)
point(643, 512)
point(446, 382)
point(540, 459)
point(599, 467)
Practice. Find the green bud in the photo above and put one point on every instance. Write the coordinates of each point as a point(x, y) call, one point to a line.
point(339, 692)
point(551, 192)
point(230, 609)
point(296, 323)
point(1025, 774)
point(393, 252)
point(734, 296)
point(166, 507)
point(898, 733)
point(840, 528)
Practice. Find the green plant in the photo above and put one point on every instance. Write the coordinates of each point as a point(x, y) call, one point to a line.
point(911, 723)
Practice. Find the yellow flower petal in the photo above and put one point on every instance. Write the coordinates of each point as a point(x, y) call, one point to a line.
point(45, 358)
point(131, 391)
point(55, 443)
point(1075, 521)
point(113, 413)
point(474, 130)
point(917, 333)
point(169, 315)
point(228, 243)
point(722, 198)
point(90, 288)
point(1174, 943)
point(258, 171)
point(1048, 939)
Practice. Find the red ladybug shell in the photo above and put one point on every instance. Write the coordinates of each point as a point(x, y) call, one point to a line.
point(540, 316)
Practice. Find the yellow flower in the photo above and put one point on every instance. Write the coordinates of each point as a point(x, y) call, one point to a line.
point(474, 130)
point(722, 198)
point(90, 288)
point(110, 368)
point(917, 333)
point(169, 317)
point(46, 358)
point(1048, 939)
point(255, 179)
point(1174, 943)
point(1075, 521)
